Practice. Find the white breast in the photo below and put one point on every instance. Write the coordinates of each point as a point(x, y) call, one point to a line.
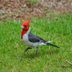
point(27, 42)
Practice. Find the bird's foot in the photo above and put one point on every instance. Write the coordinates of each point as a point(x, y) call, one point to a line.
point(37, 51)
point(27, 49)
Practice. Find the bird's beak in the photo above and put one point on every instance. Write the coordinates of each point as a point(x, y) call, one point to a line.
point(22, 27)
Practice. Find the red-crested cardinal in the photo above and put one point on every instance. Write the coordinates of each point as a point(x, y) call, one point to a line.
point(31, 40)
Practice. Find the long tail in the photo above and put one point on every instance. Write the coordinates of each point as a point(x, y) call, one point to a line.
point(52, 45)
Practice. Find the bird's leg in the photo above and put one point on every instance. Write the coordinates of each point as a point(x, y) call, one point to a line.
point(27, 49)
point(36, 50)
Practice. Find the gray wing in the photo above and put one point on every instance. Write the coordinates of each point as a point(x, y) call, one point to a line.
point(33, 38)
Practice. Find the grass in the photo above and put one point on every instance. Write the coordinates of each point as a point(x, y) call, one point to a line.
point(49, 59)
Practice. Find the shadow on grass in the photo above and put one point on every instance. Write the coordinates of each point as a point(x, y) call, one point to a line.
point(33, 55)
point(52, 52)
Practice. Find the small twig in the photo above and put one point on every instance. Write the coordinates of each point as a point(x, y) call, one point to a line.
point(69, 62)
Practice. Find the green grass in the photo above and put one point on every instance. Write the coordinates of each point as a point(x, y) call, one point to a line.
point(49, 59)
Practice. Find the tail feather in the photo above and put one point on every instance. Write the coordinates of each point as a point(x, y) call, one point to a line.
point(52, 45)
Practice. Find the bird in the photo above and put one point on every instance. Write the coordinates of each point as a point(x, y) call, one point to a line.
point(31, 40)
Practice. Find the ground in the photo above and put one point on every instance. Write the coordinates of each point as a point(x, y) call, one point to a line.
point(56, 27)
point(33, 8)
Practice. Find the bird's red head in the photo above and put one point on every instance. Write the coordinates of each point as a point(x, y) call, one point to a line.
point(25, 27)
